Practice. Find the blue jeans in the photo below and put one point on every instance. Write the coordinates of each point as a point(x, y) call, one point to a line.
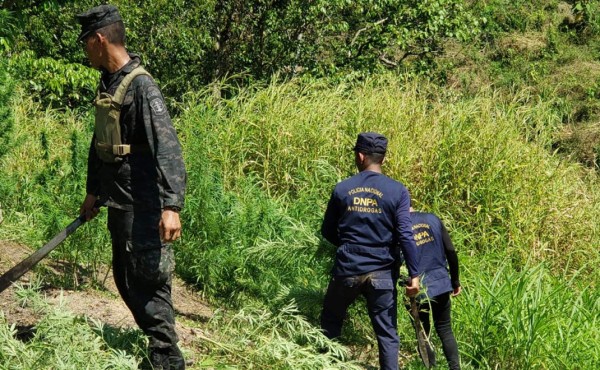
point(379, 289)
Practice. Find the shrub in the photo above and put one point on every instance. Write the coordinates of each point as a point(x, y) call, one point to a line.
point(187, 45)
point(7, 90)
point(7, 30)
point(55, 83)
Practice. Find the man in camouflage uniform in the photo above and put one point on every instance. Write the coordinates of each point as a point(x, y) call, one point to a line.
point(142, 186)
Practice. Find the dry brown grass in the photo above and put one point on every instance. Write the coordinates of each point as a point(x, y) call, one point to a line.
point(583, 141)
point(531, 43)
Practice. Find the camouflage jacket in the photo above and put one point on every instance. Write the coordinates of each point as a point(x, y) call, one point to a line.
point(154, 176)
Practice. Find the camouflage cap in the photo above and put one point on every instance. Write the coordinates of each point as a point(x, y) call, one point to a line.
point(96, 18)
point(370, 143)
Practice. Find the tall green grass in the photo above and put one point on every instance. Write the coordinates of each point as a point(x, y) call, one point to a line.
point(527, 319)
point(271, 156)
point(7, 86)
point(481, 162)
point(261, 166)
point(42, 182)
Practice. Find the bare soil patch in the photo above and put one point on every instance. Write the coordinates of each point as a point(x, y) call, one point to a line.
point(103, 304)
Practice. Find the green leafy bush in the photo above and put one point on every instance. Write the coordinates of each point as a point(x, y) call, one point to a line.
point(7, 91)
point(189, 44)
point(55, 82)
point(7, 30)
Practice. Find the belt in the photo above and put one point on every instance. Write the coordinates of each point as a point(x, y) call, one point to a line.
point(124, 149)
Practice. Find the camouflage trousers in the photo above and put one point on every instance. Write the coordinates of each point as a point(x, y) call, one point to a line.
point(142, 268)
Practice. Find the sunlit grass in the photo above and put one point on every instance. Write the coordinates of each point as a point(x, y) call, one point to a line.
point(483, 162)
point(261, 166)
point(523, 317)
point(60, 340)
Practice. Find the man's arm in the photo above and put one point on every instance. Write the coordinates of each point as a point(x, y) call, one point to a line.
point(92, 184)
point(405, 234)
point(329, 227)
point(452, 258)
point(407, 241)
point(162, 139)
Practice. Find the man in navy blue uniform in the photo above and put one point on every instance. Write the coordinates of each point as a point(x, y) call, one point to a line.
point(367, 218)
point(435, 251)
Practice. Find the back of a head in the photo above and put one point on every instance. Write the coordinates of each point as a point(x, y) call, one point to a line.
point(114, 33)
point(372, 145)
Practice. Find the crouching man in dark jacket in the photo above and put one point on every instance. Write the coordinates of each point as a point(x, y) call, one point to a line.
point(436, 251)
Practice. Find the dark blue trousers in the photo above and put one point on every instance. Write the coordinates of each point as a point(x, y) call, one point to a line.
point(379, 289)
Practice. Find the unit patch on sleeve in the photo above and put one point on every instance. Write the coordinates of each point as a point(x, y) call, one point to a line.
point(158, 106)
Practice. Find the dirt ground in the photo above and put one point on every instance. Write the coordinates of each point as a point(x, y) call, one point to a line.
point(103, 303)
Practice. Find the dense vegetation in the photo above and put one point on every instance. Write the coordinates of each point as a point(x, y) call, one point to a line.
point(188, 44)
point(492, 113)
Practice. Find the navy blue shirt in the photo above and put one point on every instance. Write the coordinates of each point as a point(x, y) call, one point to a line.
point(367, 218)
point(434, 250)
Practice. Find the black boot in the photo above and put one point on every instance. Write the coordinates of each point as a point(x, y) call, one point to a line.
point(176, 361)
point(169, 358)
point(159, 359)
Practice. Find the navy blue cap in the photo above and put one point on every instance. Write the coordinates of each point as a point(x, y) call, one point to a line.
point(96, 18)
point(371, 143)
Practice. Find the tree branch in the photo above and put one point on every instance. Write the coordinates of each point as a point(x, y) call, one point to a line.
point(387, 62)
point(366, 28)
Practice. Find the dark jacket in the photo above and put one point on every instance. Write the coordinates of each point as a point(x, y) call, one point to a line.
point(366, 218)
point(435, 252)
point(154, 175)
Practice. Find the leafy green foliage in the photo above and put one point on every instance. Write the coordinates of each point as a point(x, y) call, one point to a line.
point(7, 30)
point(48, 27)
point(188, 44)
point(7, 90)
point(55, 82)
point(389, 31)
point(36, 36)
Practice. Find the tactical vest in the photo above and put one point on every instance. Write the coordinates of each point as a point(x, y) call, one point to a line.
point(108, 143)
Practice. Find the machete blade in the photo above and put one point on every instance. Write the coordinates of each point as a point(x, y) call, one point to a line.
point(27, 264)
point(423, 345)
